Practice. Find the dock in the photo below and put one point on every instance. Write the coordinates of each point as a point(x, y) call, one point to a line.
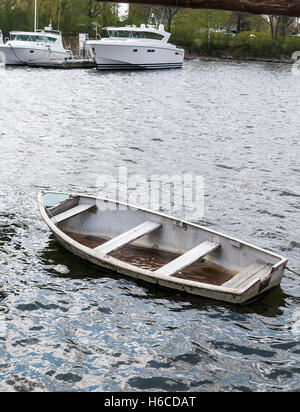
point(64, 64)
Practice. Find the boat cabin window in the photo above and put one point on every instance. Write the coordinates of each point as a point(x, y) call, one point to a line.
point(33, 38)
point(147, 35)
point(135, 34)
point(119, 33)
point(51, 39)
point(20, 37)
point(38, 39)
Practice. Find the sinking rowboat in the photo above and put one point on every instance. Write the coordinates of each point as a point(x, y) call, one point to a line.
point(160, 249)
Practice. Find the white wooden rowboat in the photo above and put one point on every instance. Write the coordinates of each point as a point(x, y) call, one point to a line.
point(160, 249)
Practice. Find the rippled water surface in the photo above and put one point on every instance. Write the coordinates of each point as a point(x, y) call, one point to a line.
point(65, 326)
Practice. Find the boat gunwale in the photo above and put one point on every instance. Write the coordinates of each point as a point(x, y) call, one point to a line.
point(113, 262)
point(169, 46)
point(135, 207)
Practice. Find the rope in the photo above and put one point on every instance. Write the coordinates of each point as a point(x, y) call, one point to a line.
point(291, 270)
point(22, 190)
point(28, 195)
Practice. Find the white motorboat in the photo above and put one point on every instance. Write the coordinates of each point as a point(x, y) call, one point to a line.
point(131, 47)
point(159, 249)
point(41, 45)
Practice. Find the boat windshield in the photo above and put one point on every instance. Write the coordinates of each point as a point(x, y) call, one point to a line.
point(33, 38)
point(135, 34)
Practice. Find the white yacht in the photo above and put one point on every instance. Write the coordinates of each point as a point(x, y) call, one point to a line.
point(40, 45)
point(131, 47)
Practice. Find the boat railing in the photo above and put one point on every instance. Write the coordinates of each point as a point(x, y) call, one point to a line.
point(49, 31)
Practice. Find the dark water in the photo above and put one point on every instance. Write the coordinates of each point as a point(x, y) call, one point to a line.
point(66, 326)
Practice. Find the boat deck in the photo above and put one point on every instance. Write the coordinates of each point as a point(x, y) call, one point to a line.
point(63, 64)
point(150, 259)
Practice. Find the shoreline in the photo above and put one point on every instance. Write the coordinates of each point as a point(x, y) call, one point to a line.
point(238, 59)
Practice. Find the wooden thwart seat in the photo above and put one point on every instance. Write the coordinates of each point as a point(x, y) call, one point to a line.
point(72, 212)
point(258, 270)
point(128, 237)
point(187, 258)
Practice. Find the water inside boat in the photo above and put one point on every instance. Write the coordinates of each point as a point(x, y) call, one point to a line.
point(150, 259)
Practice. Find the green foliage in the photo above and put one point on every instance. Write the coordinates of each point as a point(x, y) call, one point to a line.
point(217, 41)
point(210, 37)
point(253, 44)
point(262, 46)
point(183, 36)
point(138, 14)
point(72, 16)
point(289, 45)
point(246, 44)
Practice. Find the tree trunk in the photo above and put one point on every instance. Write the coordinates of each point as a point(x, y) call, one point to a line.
point(275, 7)
point(271, 19)
point(238, 25)
point(208, 31)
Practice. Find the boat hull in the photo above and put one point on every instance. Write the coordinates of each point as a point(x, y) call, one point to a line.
point(22, 56)
point(178, 235)
point(136, 57)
